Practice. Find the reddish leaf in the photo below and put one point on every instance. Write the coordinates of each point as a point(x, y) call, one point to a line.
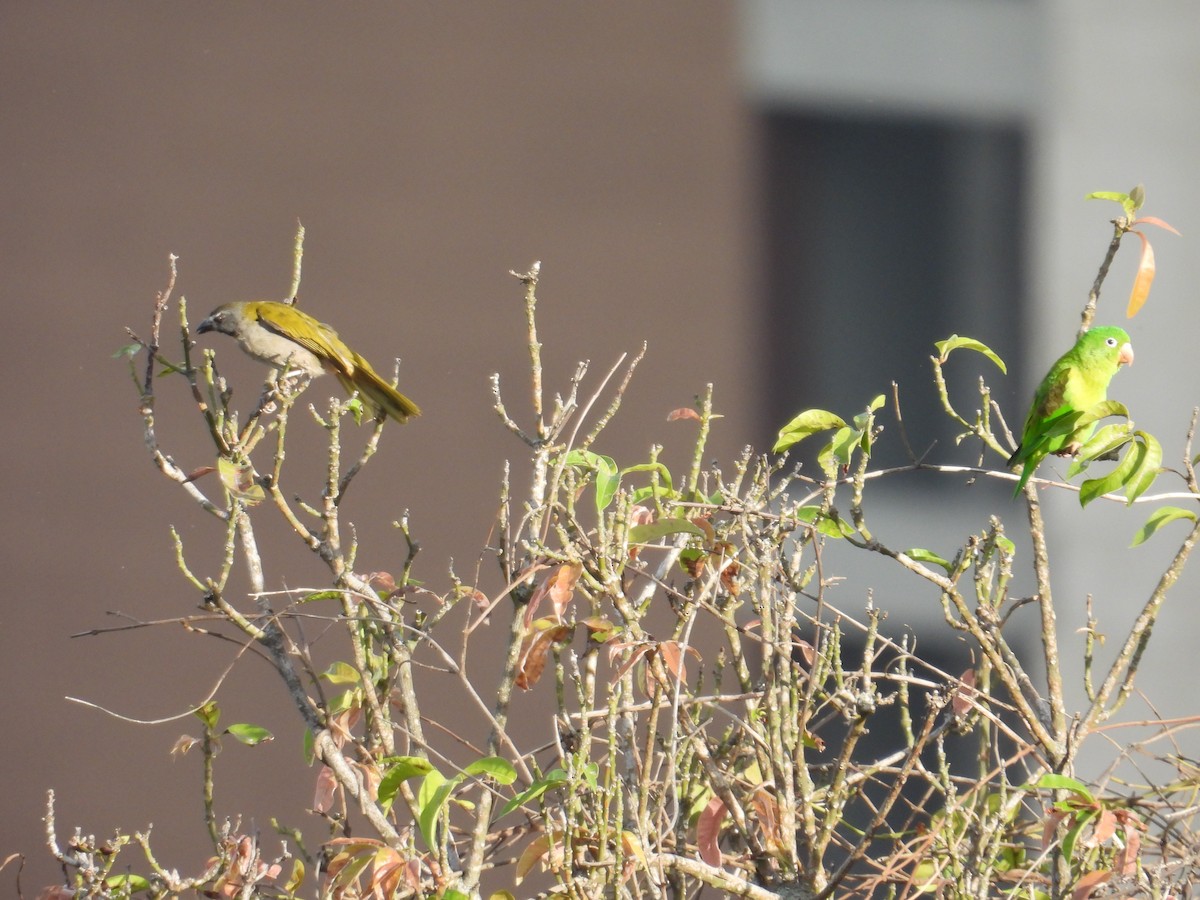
point(1143, 279)
point(1053, 818)
point(671, 656)
point(1154, 220)
point(708, 831)
point(562, 587)
point(1088, 883)
point(1105, 828)
point(961, 700)
point(806, 650)
point(685, 412)
point(767, 811)
point(199, 473)
point(537, 848)
point(325, 789)
point(639, 651)
point(383, 582)
point(535, 651)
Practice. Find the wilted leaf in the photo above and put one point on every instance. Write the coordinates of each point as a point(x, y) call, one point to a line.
point(954, 342)
point(1158, 519)
point(673, 416)
point(184, 744)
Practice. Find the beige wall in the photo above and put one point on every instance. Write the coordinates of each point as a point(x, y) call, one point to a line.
point(428, 149)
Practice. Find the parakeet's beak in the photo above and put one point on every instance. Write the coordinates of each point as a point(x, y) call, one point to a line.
point(1125, 357)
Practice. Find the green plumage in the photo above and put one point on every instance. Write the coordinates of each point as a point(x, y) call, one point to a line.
point(1075, 383)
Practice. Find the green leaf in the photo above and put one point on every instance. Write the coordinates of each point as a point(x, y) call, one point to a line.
point(296, 879)
point(209, 714)
point(828, 525)
point(452, 894)
point(1097, 487)
point(1158, 519)
point(130, 884)
point(129, 350)
point(554, 778)
point(1053, 781)
point(608, 477)
point(430, 800)
point(808, 423)
point(843, 444)
point(500, 770)
point(1116, 197)
point(1147, 468)
point(652, 531)
point(1006, 545)
point(954, 342)
point(322, 595)
point(663, 472)
point(399, 770)
point(1102, 410)
point(250, 735)
point(1104, 441)
point(928, 556)
point(341, 673)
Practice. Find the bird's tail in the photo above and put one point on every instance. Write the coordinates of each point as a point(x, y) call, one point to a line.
point(381, 397)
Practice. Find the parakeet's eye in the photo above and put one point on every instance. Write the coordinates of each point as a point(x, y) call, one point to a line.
point(1112, 342)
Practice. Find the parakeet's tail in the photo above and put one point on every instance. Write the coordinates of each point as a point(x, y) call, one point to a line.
point(380, 396)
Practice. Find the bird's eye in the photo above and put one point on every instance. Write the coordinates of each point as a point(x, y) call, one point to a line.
point(1112, 342)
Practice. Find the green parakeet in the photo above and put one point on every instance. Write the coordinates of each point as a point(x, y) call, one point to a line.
point(281, 335)
point(1074, 384)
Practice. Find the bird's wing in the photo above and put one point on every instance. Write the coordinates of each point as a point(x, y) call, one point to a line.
point(323, 341)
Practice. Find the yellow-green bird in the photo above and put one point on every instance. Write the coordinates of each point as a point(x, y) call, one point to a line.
point(284, 337)
point(1075, 383)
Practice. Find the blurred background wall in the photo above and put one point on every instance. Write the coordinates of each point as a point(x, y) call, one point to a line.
point(791, 200)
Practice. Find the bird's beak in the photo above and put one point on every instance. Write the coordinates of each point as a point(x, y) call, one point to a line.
point(1124, 357)
point(207, 325)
